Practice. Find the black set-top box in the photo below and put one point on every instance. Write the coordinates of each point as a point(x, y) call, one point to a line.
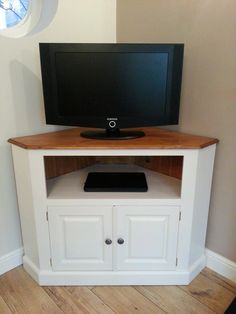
point(116, 182)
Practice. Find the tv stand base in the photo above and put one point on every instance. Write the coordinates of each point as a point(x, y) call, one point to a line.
point(98, 278)
point(109, 134)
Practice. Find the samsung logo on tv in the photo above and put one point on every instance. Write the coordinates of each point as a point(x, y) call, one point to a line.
point(109, 119)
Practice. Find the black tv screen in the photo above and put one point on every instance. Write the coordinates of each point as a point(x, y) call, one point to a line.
point(111, 86)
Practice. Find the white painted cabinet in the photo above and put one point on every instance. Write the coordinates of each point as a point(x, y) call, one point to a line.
point(140, 237)
point(158, 237)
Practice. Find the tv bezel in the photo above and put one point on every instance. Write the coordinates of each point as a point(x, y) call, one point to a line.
point(174, 79)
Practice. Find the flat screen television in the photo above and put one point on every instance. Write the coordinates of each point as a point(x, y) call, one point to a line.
point(111, 86)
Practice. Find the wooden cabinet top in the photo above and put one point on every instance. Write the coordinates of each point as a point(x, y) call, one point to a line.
point(155, 139)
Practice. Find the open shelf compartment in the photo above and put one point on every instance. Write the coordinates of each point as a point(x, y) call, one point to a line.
point(65, 176)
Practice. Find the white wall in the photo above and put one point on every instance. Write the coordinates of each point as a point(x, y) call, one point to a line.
point(21, 102)
point(208, 104)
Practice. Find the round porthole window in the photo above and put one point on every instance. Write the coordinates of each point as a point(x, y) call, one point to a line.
point(18, 17)
point(12, 12)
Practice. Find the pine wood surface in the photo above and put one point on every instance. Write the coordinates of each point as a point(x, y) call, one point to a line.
point(155, 139)
point(207, 293)
point(58, 165)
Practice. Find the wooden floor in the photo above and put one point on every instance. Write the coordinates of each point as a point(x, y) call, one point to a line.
point(208, 293)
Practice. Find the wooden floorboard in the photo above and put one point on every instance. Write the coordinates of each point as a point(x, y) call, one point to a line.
point(173, 300)
point(77, 300)
point(23, 295)
point(224, 282)
point(125, 299)
point(208, 293)
point(4, 307)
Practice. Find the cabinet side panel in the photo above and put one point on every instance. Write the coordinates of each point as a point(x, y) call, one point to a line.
point(25, 202)
point(38, 181)
point(188, 189)
point(201, 202)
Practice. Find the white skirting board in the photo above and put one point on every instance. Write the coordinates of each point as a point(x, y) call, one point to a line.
point(11, 260)
point(221, 265)
point(214, 261)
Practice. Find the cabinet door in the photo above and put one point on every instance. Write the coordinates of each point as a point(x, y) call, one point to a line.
point(150, 237)
point(78, 235)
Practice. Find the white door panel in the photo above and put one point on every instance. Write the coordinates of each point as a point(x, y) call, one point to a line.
point(78, 237)
point(150, 237)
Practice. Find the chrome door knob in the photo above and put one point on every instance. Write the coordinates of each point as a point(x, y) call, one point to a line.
point(108, 241)
point(120, 241)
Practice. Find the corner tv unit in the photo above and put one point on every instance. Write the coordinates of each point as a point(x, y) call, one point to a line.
point(111, 86)
point(72, 237)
